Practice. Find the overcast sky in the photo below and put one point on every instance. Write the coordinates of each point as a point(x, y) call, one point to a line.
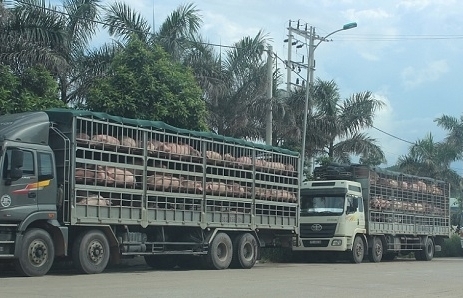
point(408, 53)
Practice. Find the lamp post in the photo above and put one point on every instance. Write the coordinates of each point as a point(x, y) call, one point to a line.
point(310, 74)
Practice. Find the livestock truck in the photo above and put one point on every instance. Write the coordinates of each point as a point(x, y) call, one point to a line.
point(95, 188)
point(358, 211)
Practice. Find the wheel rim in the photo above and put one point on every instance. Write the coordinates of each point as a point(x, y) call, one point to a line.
point(378, 249)
point(359, 250)
point(222, 251)
point(38, 253)
point(96, 252)
point(248, 251)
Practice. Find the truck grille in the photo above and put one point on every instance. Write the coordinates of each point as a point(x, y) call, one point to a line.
point(317, 230)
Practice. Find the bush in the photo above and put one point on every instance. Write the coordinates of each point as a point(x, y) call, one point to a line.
point(276, 254)
point(451, 247)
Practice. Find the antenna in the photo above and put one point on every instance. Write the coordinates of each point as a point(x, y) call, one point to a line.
point(154, 22)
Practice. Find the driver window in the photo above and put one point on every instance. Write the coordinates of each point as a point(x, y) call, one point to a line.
point(352, 204)
point(28, 164)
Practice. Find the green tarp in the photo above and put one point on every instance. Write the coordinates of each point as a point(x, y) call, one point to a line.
point(66, 116)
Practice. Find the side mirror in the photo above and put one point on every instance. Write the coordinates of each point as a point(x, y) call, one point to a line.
point(17, 158)
point(351, 209)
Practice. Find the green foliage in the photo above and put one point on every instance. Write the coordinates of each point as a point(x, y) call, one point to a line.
point(451, 247)
point(35, 89)
point(334, 127)
point(276, 254)
point(371, 159)
point(324, 160)
point(144, 83)
point(8, 89)
point(429, 158)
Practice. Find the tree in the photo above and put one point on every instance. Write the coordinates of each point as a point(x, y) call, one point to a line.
point(34, 90)
point(144, 83)
point(454, 126)
point(334, 126)
point(237, 97)
point(29, 34)
point(233, 87)
point(454, 141)
point(58, 38)
point(428, 158)
point(177, 34)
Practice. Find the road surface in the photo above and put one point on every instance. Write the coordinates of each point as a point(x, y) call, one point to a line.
point(401, 278)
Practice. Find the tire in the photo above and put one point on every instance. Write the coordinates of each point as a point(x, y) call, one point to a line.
point(358, 250)
point(428, 251)
point(37, 253)
point(376, 252)
point(90, 252)
point(245, 251)
point(162, 262)
point(220, 252)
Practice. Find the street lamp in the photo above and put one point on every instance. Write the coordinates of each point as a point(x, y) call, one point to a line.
point(310, 74)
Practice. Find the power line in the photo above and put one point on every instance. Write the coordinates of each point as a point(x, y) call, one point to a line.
point(393, 136)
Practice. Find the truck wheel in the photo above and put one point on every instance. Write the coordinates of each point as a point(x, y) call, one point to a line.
point(376, 252)
point(162, 262)
point(220, 252)
point(428, 251)
point(90, 252)
point(245, 251)
point(358, 250)
point(37, 253)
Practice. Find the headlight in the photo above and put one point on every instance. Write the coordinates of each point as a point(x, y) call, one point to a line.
point(336, 242)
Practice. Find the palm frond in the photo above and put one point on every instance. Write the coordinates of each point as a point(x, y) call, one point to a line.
point(122, 22)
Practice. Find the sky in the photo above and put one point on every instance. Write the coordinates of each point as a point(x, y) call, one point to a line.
point(406, 52)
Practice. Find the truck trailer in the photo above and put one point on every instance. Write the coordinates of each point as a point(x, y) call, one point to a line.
point(96, 188)
point(357, 211)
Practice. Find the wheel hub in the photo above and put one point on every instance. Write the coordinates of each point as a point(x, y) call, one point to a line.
point(95, 251)
point(248, 251)
point(221, 251)
point(38, 253)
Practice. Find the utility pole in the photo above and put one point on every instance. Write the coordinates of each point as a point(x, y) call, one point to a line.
point(307, 108)
point(288, 62)
point(310, 36)
point(269, 116)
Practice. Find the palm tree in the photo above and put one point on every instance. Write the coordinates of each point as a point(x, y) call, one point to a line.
point(30, 34)
point(428, 158)
point(58, 37)
point(81, 18)
point(455, 128)
point(238, 96)
point(177, 34)
point(334, 126)
point(179, 31)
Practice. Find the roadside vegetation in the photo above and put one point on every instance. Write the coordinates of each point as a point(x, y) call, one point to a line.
point(173, 74)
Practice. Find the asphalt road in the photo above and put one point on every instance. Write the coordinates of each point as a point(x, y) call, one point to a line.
point(401, 278)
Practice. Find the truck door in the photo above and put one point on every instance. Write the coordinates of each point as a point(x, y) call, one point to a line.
point(355, 217)
point(46, 185)
point(19, 192)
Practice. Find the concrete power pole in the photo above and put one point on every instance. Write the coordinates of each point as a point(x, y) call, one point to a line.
point(288, 62)
point(269, 116)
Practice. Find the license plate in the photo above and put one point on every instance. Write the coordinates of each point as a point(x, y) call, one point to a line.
point(315, 242)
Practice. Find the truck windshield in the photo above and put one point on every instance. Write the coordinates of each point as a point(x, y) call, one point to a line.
point(318, 205)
